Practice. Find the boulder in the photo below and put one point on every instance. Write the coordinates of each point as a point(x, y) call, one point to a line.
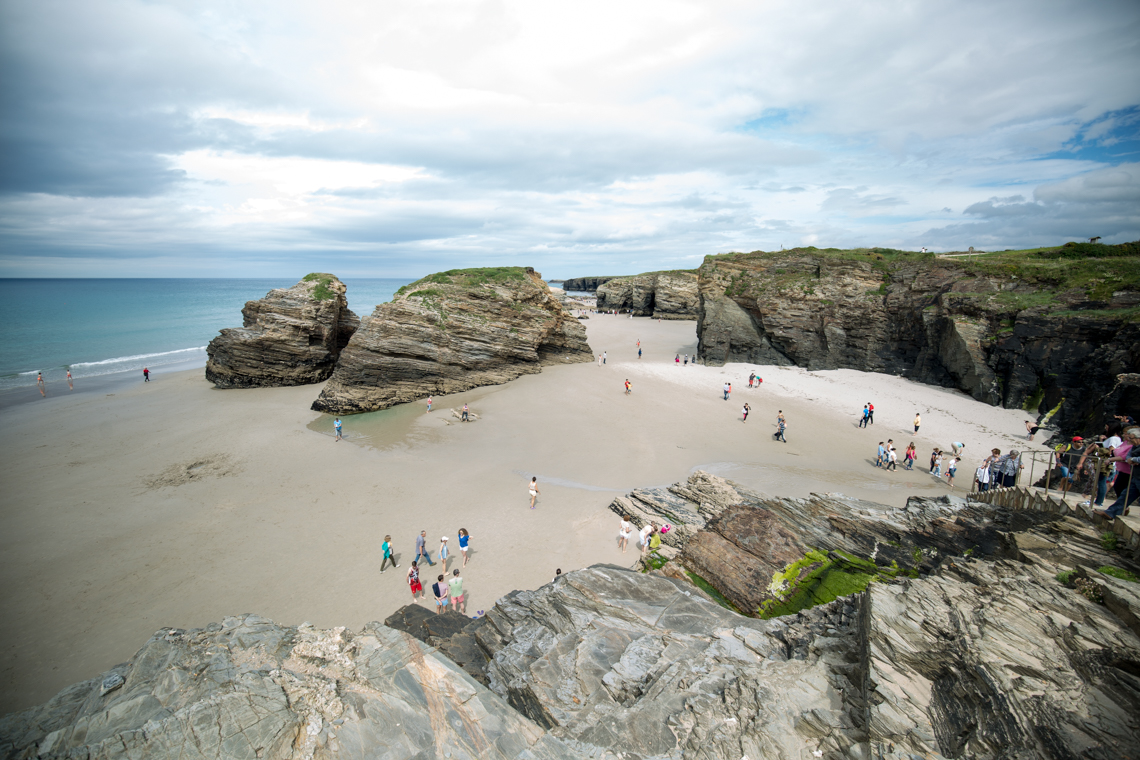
point(450, 332)
point(293, 336)
point(252, 689)
point(663, 295)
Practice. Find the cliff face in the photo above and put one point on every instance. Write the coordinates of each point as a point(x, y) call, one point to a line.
point(291, 337)
point(664, 295)
point(1017, 331)
point(450, 332)
point(585, 284)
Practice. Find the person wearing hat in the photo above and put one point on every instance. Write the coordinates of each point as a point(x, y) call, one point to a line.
point(443, 553)
point(1067, 455)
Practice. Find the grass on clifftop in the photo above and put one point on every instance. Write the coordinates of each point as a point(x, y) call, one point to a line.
point(321, 292)
point(468, 278)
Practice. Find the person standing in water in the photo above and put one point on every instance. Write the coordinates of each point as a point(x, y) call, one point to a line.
point(465, 419)
point(41, 384)
point(70, 386)
point(337, 426)
point(146, 375)
point(534, 492)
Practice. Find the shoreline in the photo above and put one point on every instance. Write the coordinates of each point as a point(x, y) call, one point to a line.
point(173, 503)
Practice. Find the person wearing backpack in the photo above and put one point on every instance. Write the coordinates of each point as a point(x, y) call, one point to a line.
point(440, 589)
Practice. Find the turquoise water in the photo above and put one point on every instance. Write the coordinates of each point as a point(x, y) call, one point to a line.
point(104, 326)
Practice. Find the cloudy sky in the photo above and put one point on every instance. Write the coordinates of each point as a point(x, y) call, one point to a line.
point(387, 138)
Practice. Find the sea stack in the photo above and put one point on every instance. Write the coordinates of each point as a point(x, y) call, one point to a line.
point(450, 332)
point(661, 295)
point(293, 336)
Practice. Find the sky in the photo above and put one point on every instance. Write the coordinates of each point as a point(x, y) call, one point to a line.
point(397, 138)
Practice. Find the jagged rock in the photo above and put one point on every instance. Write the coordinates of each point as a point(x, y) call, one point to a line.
point(940, 321)
point(450, 332)
point(585, 284)
point(664, 295)
point(250, 688)
point(293, 336)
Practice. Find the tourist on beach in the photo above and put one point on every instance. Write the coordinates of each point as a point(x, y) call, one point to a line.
point(759, 380)
point(1030, 430)
point(639, 352)
point(464, 538)
point(458, 599)
point(745, 412)
point(995, 468)
point(627, 386)
point(421, 548)
point(464, 418)
point(880, 455)
point(70, 387)
point(414, 582)
point(604, 355)
point(533, 490)
point(687, 360)
point(625, 530)
point(863, 418)
point(386, 548)
point(725, 389)
point(146, 375)
point(337, 427)
point(557, 574)
point(951, 469)
point(429, 403)
point(41, 384)
point(917, 421)
point(933, 460)
point(751, 377)
point(440, 589)
point(1010, 466)
point(910, 456)
point(781, 426)
point(677, 360)
point(443, 553)
point(643, 537)
point(599, 360)
point(956, 447)
point(870, 413)
point(892, 459)
point(1127, 483)
point(982, 477)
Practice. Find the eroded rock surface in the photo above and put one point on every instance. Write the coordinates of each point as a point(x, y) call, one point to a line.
point(585, 284)
point(663, 295)
point(248, 688)
point(293, 336)
point(450, 332)
point(1003, 339)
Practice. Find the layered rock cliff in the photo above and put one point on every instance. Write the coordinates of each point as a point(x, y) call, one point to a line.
point(585, 284)
point(450, 332)
point(293, 336)
point(664, 295)
point(1026, 329)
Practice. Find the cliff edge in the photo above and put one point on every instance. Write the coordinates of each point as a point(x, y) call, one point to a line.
point(450, 332)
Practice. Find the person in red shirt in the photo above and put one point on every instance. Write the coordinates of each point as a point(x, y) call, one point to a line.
point(870, 413)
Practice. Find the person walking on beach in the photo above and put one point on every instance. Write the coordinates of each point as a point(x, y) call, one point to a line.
point(440, 589)
point(933, 458)
point(534, 492)
point(146, 375)
point(627, 386)
point(70, 386)
point(881, 455)
point(413, 577)
point(625, 530)
point(781, 426)
point(386, 548)
point(870, 413)
point(686, 360)
point(910, 456)
point(458, 599)
point(421, 548)
point(639, 352)
point(725, 389)
point(951, 469)
point(603, 357)
point(1030, 430)
point(892, 459)
point(677, 360)
point(863, 418)
point(464, 539)
point(938, 464)
point(41, 384)
point(599, 360)
point(337, 427)
point(464, 418)
point(429, 403)
point(917, 421)
point(443, 553)
point(745, 412)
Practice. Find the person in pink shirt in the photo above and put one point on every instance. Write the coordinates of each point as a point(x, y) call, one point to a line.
point(1127, 457)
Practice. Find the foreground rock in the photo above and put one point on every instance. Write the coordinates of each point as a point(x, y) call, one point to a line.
point(663, 295)
point(247, 688)
point(293, 336)
point(1023, 330)
point(450, 332)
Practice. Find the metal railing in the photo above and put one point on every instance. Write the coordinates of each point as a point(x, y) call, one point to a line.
point(1094, 466)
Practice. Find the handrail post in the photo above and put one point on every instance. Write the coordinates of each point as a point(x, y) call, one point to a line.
point(1049, 473)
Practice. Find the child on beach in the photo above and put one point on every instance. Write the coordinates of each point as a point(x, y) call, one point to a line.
point(414, 582)
point(464, 537)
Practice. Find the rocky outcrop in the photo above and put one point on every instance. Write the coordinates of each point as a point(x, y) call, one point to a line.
point(585, 284)
point(252, 689)
point(450, 332)
point(293, 336)
point(1008, 332)
point(663, 295)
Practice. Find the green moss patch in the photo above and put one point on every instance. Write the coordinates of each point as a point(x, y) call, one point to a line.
point(321, 292)
point(822, 577)
point(709, 589)
point(1119, 572)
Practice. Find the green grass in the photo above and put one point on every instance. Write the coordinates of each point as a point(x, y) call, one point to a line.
point(654, 562)
point(1065, 577)
point(427, 293)
point(321, 292)
point(831, 575)
point(708, 588)
point(1119, 572)
point(1108, 541)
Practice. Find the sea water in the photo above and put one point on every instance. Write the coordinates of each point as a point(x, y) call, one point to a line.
point(106, 326)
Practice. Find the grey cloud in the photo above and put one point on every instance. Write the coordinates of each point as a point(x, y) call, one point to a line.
point(857, 201)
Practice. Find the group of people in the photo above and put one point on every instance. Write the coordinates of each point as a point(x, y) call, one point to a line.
point(677, 359)
point(648, 538)
point(446, 590)
point(1108, 462)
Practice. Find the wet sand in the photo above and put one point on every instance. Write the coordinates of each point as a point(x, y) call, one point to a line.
point(175, 504)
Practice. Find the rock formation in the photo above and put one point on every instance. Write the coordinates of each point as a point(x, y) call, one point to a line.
point(450, 332)
point(1020, 330)
point(585, 284)
point(293, 336)
point(664, 295)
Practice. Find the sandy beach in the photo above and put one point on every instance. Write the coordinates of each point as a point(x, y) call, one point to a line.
point(174, 504)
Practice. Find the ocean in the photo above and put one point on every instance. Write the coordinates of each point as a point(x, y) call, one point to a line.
point(105, 326)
